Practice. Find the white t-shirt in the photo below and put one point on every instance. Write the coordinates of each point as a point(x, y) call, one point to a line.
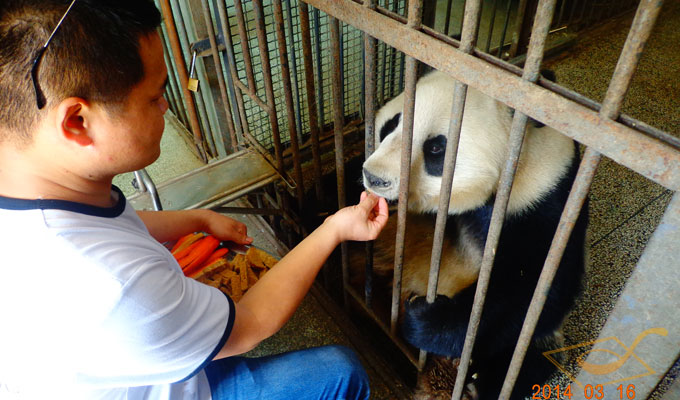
point(92, 307)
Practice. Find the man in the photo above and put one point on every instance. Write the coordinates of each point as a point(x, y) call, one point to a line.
point(92, 305)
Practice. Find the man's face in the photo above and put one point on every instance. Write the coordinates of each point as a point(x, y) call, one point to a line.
point(131, 136)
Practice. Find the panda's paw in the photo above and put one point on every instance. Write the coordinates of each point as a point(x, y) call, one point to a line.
point(425, 325)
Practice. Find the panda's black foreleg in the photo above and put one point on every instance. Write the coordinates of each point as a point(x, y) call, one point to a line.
point(438, 327)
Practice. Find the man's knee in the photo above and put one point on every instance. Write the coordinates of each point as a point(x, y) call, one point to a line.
point(348, 366)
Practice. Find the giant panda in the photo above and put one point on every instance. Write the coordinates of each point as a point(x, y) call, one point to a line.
point(545, 173)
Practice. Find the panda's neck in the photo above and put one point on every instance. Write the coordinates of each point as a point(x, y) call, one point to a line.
point(545, 160)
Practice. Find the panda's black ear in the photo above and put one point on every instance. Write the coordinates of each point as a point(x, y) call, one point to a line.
point(549, 75)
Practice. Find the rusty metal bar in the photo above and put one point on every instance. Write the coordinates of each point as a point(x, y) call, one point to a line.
point(386, 329)
point(630, 56)
point(239, 113)
point(647, 156)
point(245, 44)
point(232, 75)
point(506, 22)
point(319, 67)
point(519, 21)
point(643, 313)
point(268, 84)
point(311, 99)
point(468, 38)
point(288, 96)
point(570, 214)
point(447, 20)
point(184, 77)
point(338, 125)
point(219, 73)
point(294, 65)
point(539, 34)
point(491, 26)
point(411, 71)
point(369, 138)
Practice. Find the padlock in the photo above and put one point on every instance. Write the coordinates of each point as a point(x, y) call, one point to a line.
point(193, 82)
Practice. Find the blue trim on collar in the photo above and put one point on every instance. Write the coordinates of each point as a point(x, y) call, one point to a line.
point(223, 340)
point(10, 203)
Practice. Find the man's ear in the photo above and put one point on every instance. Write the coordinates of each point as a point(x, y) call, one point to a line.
point(73, 121)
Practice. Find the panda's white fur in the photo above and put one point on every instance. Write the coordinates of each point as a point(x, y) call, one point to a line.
point(481, 154)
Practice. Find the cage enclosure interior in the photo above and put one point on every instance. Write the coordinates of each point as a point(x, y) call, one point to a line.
point(528, 149)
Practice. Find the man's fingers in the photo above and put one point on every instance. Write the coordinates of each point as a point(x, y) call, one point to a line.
point(368, 202)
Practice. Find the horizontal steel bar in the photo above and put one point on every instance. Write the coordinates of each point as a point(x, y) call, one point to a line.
point(647, 156)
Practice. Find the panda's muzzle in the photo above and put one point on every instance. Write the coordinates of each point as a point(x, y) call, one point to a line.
point(375, 181)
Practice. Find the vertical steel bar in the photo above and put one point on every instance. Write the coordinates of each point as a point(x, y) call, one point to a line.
point(561, 14)
point(288, 97)
point(338, 125)
point(369, 138)
point(180, 109)
point(184, 77)
point(415, 12)
point(311, 99)
point(539, 34)
point(219, 73)
point(506, 22)
point(294, 70)
point(494, 8)
point(245, 45)
point(519, 23)
point(467, 44)
point(268, 83)
point(630, 56)
point(319, 67)
point(447, 21)
point(232, 74)
point(205, 106)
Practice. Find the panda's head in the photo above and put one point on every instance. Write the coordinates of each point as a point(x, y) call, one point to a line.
point(481, 154)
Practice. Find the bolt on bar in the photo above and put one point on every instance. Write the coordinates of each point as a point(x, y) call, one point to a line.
point(467, 43)
point(338, 125)
point(245, 44)
point(539, 34)
point(311, 99)
point(218, 70)
point(288, 96)
point(415, 12)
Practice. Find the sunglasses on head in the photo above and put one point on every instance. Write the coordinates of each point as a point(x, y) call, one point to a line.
point(39, 96)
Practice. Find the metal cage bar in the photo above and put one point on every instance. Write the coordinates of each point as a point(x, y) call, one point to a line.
point(311, 99)
point(338, 125)
point(469, 34)
point(220, 77)
point(290, 106)
point(415, 13)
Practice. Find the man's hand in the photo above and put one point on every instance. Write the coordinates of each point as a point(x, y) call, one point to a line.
point(363, 221)
point(225, 228)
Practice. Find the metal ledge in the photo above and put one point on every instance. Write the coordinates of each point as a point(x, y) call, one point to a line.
point(212, 185)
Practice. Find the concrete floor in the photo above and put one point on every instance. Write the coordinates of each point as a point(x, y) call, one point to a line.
point(624, 207)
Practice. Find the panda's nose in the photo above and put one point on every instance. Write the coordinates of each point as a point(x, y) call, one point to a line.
point(375, 181)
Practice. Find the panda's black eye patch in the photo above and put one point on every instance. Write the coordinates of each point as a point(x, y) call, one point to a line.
point(434, 150)
point(389, 126)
